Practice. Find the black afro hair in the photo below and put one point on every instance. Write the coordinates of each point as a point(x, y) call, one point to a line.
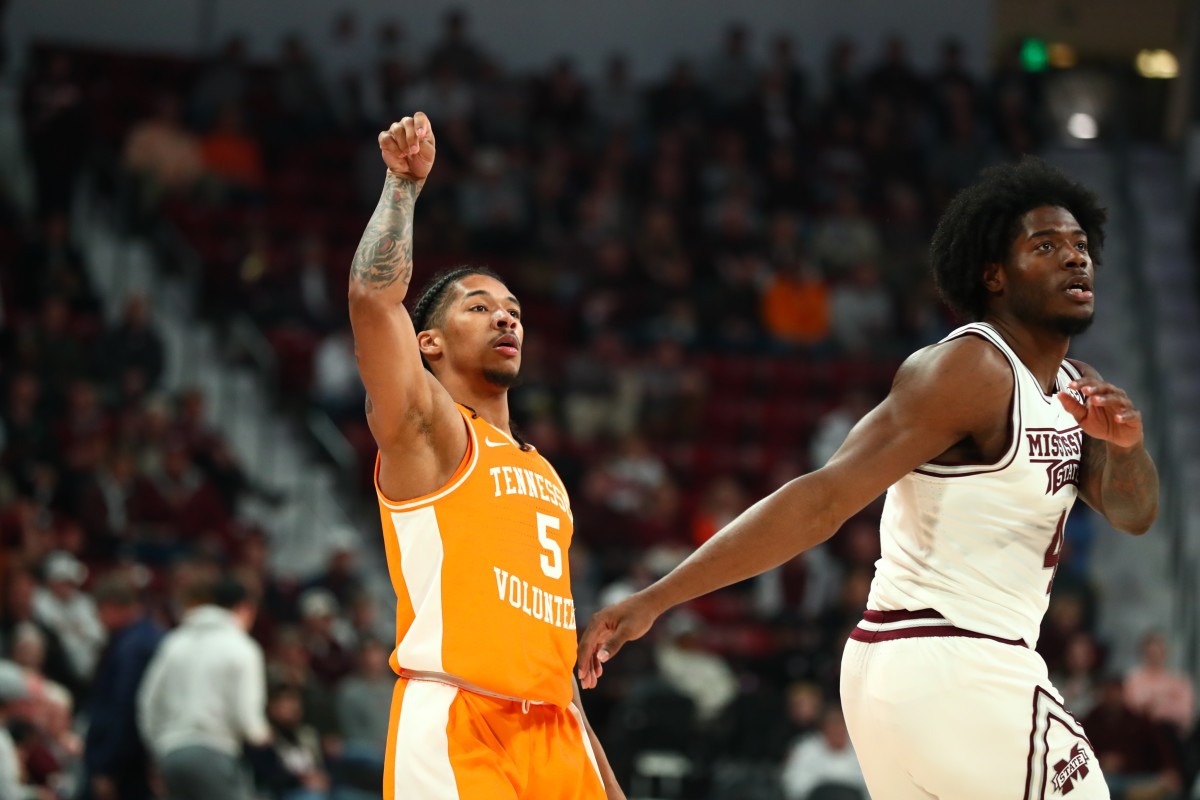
point(979, 225)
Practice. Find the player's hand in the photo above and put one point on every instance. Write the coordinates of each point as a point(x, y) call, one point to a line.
point(607, 631)
point(1107, 413)
point(408, 147)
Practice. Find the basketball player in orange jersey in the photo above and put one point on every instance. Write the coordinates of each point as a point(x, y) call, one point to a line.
point(476, 526)
point(982, 445)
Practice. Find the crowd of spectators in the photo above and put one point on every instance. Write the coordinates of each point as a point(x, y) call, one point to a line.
point(719, 269)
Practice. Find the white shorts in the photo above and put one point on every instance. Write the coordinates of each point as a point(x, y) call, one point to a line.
point(935, 711)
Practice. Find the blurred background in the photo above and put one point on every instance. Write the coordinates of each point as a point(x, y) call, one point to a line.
point(716, 219)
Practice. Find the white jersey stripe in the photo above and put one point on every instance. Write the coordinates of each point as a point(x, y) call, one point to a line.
point(904, 624)
point(423, 766)
point(421, 563)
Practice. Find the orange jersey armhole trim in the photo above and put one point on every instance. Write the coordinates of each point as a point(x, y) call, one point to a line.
point(470, 457)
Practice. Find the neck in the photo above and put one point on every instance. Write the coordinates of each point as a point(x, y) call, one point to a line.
point(1040, 349)
point(489, 401)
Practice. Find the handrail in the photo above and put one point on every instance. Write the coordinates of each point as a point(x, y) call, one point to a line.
point(246, 334)
point(331, 439)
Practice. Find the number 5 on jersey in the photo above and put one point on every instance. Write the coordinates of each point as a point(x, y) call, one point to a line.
point(552, 563)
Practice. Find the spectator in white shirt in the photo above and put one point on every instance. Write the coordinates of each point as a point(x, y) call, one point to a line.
point(204, 696)
point(64, 608)
point(823, 758)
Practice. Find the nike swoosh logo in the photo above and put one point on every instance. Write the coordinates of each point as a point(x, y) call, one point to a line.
point(490, 443)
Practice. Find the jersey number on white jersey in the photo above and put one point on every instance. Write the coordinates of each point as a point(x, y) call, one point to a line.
point(1054, 551)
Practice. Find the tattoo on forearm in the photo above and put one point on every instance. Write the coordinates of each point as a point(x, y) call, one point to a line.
point(1125, 485)
point(384, 253)
point(1131, 480)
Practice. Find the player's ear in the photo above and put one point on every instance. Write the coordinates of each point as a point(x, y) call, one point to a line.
point(993, 277)
point(430, 344)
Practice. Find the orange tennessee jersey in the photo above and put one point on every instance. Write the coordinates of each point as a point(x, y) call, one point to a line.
point(480, 572)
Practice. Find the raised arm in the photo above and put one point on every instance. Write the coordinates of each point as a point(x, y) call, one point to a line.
point(410, 414)
point(913, 425)
point(1117, 476)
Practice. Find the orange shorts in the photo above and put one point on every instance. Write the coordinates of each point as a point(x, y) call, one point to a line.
point(448, 744)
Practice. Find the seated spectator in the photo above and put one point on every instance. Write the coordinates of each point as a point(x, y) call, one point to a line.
point(720, 502)
point(52, 348)
point(1161, 693)
point(133, 345)
point(233, 156)
point(291, 766)
point(795, 304)
point(1137, 756)
point(492, 204)
point(823, 758)
point(672, 392)
point(181, 503)
point(1079, 681)
point(53, 759)
point(341, 576)
point(835, 425)
point(291, 663)
point(163, 156)
point(17, 611)
point(12, 773)
point(1066, 616)
point(626, 482)
point(27, 434)
point(845, 237)
point(66, 609)
point(364, 700)
point(336, 389)
point(224, 80)
point(861, 312)
point(29, 653)
point(328, 637)
point(601, 391)
point(688, 667)
point(300, 94)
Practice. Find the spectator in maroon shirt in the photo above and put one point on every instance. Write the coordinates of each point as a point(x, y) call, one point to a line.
point(1135, 754)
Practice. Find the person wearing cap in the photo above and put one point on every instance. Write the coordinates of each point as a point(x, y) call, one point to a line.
point(70, 612)
point(328, 637)
point(204, 696)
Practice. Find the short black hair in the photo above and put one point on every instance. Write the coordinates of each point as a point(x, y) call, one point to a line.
point(978, 226)
point(430, 308)
point(115, 590)
point(229, 592)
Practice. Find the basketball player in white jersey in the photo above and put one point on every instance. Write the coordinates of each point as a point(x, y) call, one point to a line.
point(982, 445)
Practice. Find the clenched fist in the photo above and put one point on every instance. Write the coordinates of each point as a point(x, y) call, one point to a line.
point(408, 147)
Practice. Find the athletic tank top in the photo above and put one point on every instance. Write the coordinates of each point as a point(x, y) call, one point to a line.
point(480, 571)
point(980, 543)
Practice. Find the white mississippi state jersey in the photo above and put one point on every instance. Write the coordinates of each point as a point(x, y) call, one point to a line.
point(979, 543)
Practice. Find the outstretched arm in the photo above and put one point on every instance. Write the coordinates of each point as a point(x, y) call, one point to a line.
point(913, 425)
point(411, 416)
point(1117, 476)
